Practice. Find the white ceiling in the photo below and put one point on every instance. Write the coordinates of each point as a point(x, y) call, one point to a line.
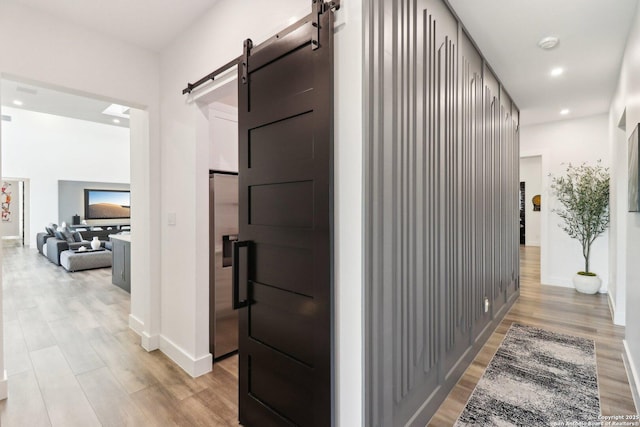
point(151, 24)
point(592, 35)
point(51, 101)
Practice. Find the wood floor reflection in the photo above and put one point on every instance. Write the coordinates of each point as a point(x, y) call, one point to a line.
point(558, 309)
point(73, 361)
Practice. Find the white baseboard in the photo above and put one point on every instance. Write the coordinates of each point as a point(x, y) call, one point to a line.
point(563, 282)
point(150, 342)
point(193, 367)
point(4, 389)
point(632, 374)
point(558, 281)
point(136, 324)
point(617, 315)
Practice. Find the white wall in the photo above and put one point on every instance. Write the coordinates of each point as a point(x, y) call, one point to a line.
point(11, 226)
point(185, 165)
point(531, 175)
point(627, 275)
point(559, 143)
point(47, 148)
point(39, 48)
point(349, 214)
point(223, 131)
point(617, 231)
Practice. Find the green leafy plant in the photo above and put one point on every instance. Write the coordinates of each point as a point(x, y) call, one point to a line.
point(584, 195)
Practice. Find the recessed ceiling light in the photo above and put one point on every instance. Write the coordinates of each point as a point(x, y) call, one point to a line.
point(548, 43)
point(564, 112)
point(116, 121)
point(17, 102)
point(557, 71)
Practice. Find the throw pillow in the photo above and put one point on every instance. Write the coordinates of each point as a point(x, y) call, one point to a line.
point(77, 237)
point(53, 228)
point(68, 235)
point(59, 235)
point(50, 231)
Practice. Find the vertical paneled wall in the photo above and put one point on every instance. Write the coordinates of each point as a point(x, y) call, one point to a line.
point(441, 207)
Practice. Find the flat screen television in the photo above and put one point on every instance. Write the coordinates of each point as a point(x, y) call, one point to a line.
point(107, 204)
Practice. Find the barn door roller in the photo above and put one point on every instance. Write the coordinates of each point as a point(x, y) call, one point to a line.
point(318, 8)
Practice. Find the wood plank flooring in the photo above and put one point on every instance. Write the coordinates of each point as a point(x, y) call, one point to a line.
point(72, 360)
point(558, 309)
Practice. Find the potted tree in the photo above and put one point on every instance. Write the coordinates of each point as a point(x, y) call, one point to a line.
point(584, 195)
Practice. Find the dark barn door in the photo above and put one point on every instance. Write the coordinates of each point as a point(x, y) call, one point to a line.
point(283, 267)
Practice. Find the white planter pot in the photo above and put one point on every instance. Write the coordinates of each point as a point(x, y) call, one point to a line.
point(587, 284)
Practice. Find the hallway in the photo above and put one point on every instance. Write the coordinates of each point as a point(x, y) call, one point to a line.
point(558, 309)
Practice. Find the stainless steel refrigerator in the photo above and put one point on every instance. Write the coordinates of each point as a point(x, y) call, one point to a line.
point(223, 231)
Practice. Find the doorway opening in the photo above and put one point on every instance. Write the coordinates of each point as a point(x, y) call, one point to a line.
point(217, 124)
point(54, 139)
point(14, 197)
point(219, 109)
point(282, 270)
point(56, 146)
point(531, 190)
point(530, 217)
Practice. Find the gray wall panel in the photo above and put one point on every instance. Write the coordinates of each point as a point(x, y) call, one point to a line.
point(440, 205)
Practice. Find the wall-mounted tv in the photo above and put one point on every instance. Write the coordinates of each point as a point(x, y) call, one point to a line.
point(107, 204)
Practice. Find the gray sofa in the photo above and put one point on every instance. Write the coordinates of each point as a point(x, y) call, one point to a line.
point(52, 243)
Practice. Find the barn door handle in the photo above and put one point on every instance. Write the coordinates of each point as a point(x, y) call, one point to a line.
point(236, 273)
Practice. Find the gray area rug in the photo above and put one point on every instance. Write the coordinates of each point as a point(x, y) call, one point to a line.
point(536, 378)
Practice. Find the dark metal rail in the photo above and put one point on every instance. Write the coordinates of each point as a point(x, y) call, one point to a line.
point(212, 75)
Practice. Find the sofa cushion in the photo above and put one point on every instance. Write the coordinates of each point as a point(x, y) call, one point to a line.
point(76, 261)
point(54, 247)
point(51, 229)
point(67, 235)
point(41, 239)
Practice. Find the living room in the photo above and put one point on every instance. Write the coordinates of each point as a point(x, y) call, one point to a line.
point(59, 149)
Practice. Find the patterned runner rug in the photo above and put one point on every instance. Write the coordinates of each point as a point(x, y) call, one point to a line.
point(536, 378)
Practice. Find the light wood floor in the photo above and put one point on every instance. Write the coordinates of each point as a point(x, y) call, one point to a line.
point(72, 360)
point(558, 309)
